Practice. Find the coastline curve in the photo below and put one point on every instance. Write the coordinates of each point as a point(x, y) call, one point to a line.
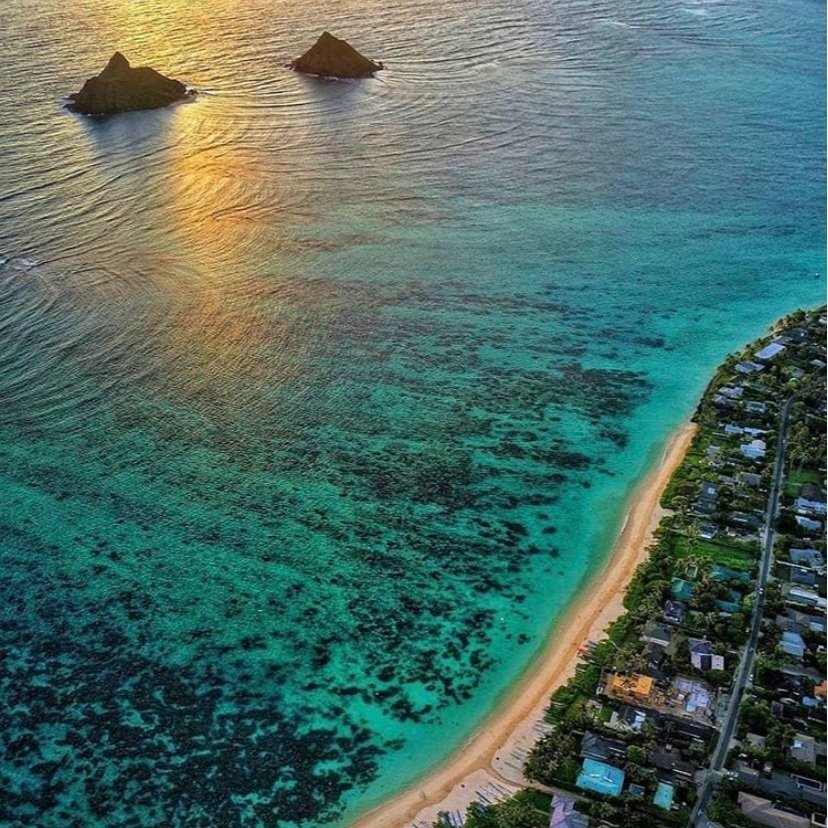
point(451, 785)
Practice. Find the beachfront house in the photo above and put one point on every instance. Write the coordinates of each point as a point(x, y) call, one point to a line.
point(748, 368)
point(770, 352)
point(595, 746)
point(562, 814)
point(754, 432)
point(674, 612)
point(635, 687)
point(745, 520)
point(681, 589)
point(600, 778)
point(629, 718)
point(794, 336)
point(657, 634)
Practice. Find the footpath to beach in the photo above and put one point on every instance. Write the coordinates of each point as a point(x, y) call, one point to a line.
point(491, 761)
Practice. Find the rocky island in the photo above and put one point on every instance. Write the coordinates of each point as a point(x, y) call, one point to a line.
point(122, 88)
point(334, 58)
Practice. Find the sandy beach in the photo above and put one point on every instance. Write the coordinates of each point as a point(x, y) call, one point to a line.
point(492, 756)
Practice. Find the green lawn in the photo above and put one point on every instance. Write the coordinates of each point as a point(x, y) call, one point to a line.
point(800, 476)
point(741, 557)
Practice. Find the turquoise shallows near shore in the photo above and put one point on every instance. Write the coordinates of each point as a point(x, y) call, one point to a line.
point(319, 402)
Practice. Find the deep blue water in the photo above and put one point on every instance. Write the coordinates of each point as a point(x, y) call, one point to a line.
point(319, 401)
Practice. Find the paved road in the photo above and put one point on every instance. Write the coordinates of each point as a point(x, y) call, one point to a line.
point(745, 670)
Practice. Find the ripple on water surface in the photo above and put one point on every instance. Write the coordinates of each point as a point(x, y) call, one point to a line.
point(320, 400)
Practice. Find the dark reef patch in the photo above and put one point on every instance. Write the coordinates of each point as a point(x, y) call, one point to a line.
point(211, 601)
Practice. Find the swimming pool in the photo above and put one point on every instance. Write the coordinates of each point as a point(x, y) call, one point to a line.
point(663, 796)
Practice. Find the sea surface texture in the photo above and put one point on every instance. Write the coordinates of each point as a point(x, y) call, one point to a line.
point(320, 401)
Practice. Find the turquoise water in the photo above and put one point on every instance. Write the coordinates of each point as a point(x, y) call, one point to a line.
point(664, 795)
point(320, 401)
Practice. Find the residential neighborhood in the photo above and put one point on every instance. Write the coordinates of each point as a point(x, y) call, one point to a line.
point(705, 704)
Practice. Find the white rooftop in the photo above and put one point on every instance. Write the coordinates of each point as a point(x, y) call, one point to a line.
point(770, 351)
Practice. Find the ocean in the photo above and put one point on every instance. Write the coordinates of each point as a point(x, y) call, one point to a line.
point(320, 401)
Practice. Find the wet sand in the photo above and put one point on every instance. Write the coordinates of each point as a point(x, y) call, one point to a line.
point(493, 752)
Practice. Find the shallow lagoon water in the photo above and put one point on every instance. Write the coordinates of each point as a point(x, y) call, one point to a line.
point(320, 401)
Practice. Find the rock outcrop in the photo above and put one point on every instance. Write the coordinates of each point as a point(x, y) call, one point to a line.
point(331, 57)
point(120, 88)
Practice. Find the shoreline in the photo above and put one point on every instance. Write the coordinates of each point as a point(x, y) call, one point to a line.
point(512, 725)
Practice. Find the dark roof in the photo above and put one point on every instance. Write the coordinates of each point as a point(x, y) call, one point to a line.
point(810, 491)
point(674, 611)
point(709, 490)
point(797, 335)
point(673, 761)
point(658, 632)
point(629, 713)
point(811, 557)
point(806, 577)
point(686, 727)
point(594, 746)
point(700, 646)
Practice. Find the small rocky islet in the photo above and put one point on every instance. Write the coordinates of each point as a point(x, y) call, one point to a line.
point(331, 57)
point(123, 88)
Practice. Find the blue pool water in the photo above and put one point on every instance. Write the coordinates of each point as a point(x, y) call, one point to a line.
point(319, 402)
point(663, 796)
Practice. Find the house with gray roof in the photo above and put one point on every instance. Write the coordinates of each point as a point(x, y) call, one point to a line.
point(808, 524)
point(674, 612)
point(748, 368)
point(803, 749)
point(750, 479)
point(702, 656)
point(792, 644)
point(754, 450)
point(807, 557)
point(764, 812)
point(805, 506)
point(770, 351)
point(595, 746)
point(658, 634)
point(562, 814)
